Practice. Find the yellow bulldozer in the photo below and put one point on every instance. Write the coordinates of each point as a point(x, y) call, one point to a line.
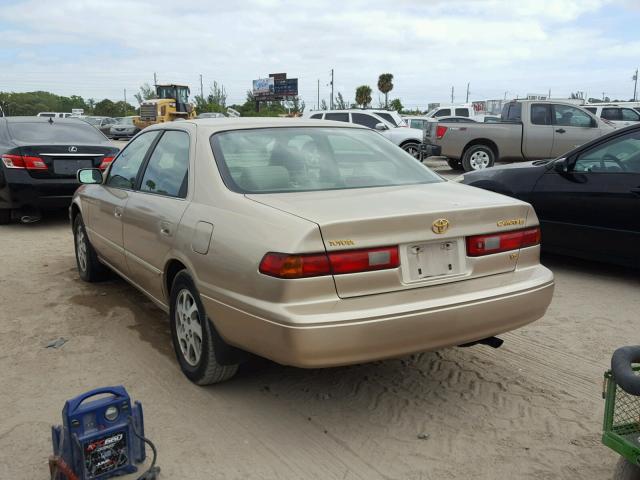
point(172, 104)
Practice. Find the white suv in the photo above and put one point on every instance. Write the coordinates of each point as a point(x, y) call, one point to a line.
point(619, 116)
point(388, 124)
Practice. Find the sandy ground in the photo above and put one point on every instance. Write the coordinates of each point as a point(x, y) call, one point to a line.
point(530, 410)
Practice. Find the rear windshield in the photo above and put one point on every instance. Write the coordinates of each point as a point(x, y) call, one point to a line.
point(272, 160)
point(74, 131)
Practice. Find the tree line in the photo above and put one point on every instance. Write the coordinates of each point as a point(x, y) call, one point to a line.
point(32, 103)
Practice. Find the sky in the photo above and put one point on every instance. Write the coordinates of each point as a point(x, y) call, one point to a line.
point(502, 48)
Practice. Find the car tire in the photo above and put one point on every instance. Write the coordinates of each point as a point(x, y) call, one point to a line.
point(625, 470)
point(5, 216)
point(191, 330)
point(413, 149)
point(89, 267)
point(478, 157)
point(454, 164)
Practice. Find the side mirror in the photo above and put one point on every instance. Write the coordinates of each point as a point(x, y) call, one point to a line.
point(561, 165)
point(89, 176)
point(381, 126)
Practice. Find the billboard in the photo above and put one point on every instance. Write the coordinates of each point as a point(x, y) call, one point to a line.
point(263, 86)
point(276, 87)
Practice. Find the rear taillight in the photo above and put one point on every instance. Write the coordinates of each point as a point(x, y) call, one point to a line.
point(283, 265)
point(441, 130)
point(479, 245)
point(106, 161)
point(20, 161)
point(354, 261)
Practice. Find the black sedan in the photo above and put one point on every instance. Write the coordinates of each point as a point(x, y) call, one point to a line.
point(39, 158)
point(588, 201)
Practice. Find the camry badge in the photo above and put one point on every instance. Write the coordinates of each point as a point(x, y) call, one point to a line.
point(510, 222)
point(73, 149)
point(440, 225)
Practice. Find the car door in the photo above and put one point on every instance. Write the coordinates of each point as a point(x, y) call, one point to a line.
point(629, 116)
point(107, 205)
point(593, 209)
point(154, 210)
point(572, 127)
point(538, 135)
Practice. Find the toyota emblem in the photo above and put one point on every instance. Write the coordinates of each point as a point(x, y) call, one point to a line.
point(73, 149)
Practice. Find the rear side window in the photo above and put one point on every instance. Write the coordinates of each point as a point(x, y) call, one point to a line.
point(166, 172)
point(611, 114)
point(445, 112)
point(364, 119)
point(540, 114)
point(316, 115)
point(416, 124)
point(387, 116)
point(630, 115)
point(124, 170)
point(54, 132)
point(339, 117)
point(462, 112)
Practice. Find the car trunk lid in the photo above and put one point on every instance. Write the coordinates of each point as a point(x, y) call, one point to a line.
point(428, 222)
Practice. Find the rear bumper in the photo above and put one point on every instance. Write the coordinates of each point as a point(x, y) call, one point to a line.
point(430, 150)
point(389, 325)
point(18, 189)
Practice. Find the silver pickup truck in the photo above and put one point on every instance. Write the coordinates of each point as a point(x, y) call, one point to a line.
point(528, 130)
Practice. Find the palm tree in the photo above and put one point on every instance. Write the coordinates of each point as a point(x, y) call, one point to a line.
point(385, 85)
point(363, 95)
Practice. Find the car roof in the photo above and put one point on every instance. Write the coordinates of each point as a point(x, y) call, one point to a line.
point(34, 119)
point(226, 123)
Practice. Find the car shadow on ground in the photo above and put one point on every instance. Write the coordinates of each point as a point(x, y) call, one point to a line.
point(589, 267)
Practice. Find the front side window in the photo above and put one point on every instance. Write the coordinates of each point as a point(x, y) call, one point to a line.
point(540, 114)
point(417, 124)
point(462, 112)
point(124, 170)
point(293, 159)
point(568, 116)
point(387, 116)
point(316, 115)
point(591, 109)
point(620, 155)
point(365, 120)
point(166, 172)
point(338, 117)
point(445, 112)
point(630, 115)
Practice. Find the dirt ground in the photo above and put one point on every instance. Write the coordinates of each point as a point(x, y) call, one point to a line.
point(529, 410)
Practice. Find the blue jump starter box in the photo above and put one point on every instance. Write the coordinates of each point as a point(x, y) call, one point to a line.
point(96, 438)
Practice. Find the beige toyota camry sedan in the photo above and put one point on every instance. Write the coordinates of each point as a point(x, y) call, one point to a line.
point(311, 243)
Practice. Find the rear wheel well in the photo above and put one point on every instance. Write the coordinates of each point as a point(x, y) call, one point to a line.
point(481, 141)
point(411, 140)
point(170, 272)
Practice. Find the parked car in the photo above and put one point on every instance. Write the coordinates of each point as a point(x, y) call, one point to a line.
point(312, 260)
point(409, 139)
point(452, 111)
point(40, 157)
point(588, 201)
point(416, 121)
point(210, 115)
point(529, 130)
point(618, 116)
point(456, 119)
point(123, 128)
point(103, 124)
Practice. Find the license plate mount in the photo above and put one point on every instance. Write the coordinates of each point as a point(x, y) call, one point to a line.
point(433, 260)
point(70, 167)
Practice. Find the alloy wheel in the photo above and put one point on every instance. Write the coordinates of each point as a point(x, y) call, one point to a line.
point(188, 327)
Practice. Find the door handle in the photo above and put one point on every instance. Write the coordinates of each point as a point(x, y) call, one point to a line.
point(165, 229)
point(561, 130)
point(117, 213)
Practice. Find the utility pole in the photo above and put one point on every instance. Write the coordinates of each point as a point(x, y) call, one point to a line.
point(468, 83)
point(318, 104)
point(201, 90)
point(635, 86)
point(155, 79)
point(125, 102)
point(549, 96)
point(331, 89)
point(452, 97)
point(603, 96)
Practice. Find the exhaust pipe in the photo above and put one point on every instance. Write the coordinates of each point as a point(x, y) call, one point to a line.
point(29, 219)
point(493, 342)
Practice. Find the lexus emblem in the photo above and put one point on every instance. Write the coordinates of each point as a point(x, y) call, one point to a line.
point(440, 225)
point(73, 149)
